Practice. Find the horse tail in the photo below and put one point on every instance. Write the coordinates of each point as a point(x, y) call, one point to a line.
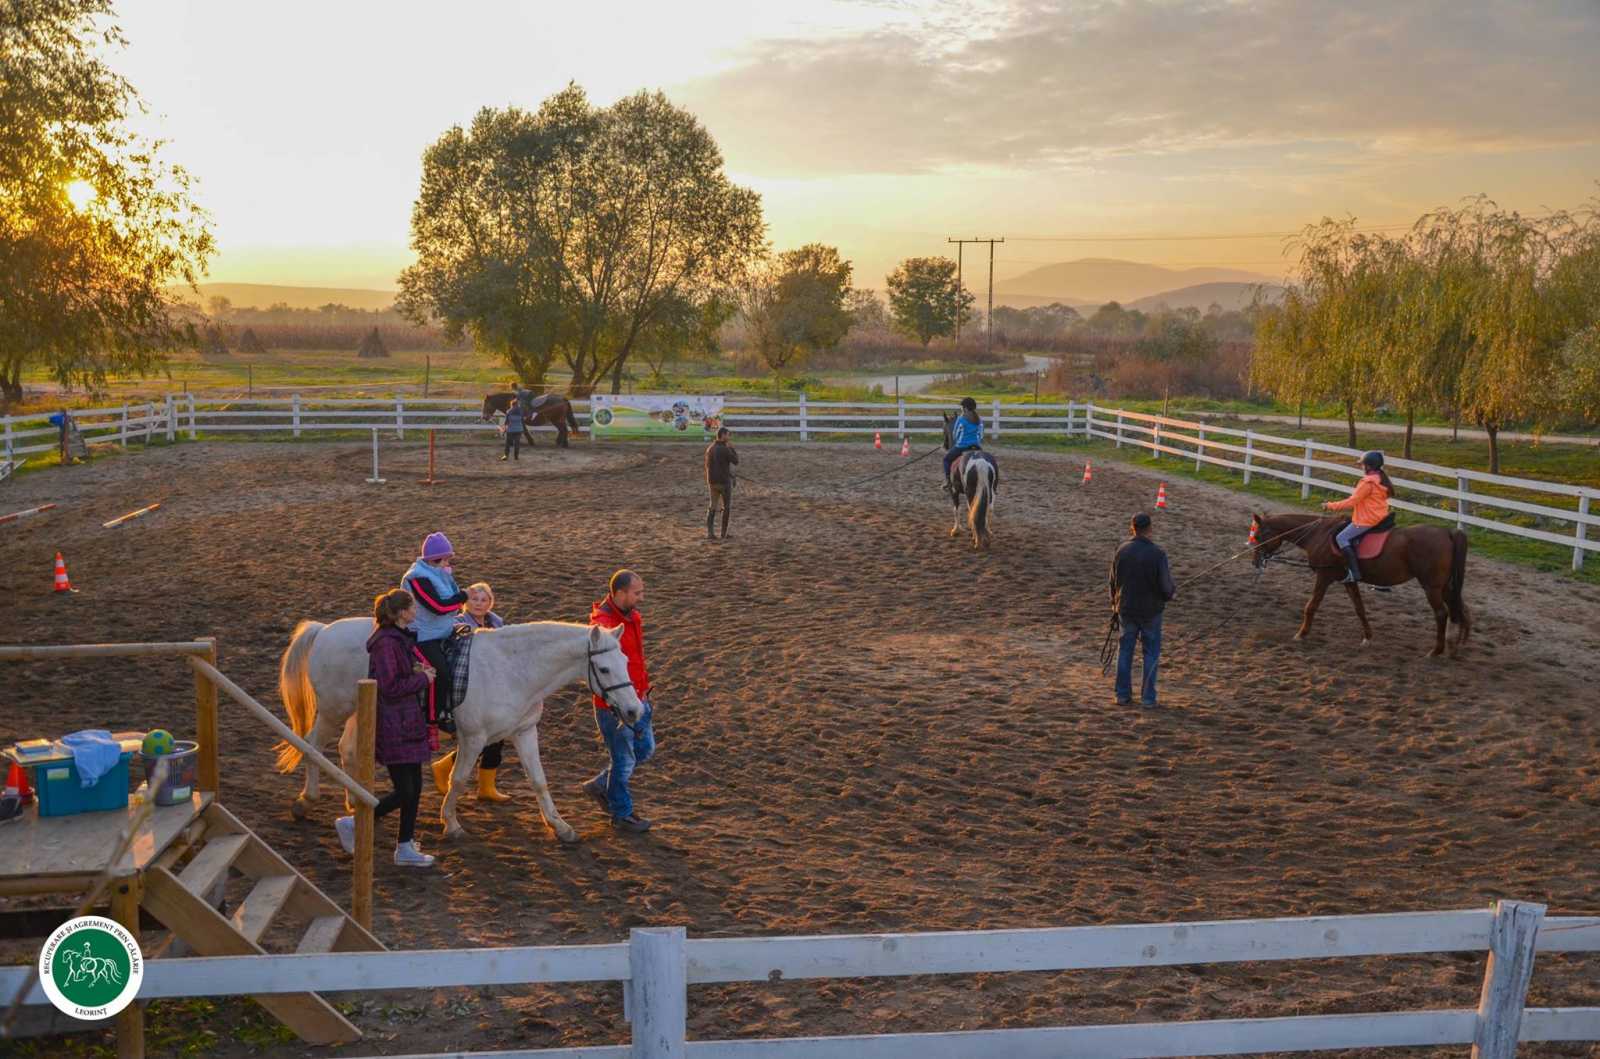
point(980, 489)
point(294, 686)
point(572, 419)
point(1458, 578)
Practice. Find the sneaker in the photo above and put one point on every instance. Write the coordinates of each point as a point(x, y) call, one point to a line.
point(1124, 702)
point(504, 458)
point(596, 791)
point(632, 822)
point(407, 855)
point(346, 827)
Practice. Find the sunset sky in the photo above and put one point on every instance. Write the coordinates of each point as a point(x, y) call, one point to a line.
point(882, 126)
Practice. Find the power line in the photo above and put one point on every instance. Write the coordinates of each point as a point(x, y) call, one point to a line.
point(960, 245)
point(1185, 238)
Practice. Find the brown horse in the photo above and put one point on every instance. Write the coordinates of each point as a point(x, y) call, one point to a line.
point(1435, 556)
point(552, 409)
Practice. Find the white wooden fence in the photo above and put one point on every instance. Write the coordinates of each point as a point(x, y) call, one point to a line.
point(1457, 495)
point(657, 965)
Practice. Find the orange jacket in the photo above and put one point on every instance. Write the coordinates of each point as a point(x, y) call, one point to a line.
point(608, 615)
point(1368, 505)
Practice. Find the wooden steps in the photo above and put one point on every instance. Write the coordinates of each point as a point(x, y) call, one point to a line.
point(180, 899)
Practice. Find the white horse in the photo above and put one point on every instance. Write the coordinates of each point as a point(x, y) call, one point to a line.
point(512, 670)
point(973, 484)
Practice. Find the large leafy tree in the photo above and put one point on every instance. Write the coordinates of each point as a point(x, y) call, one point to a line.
point(925, 298)
point(572, 232)
point(797, 304)
point(94, 225)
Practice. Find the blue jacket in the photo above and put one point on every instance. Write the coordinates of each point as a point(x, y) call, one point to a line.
point(514, 420)
point(965, 432)
point(438, 600)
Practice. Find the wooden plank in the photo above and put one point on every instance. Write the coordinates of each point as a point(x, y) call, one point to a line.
point(322, 935)
point(1569, 934)
point(658, 992)
point(1077, 948)
point(262, 905)
point(311, 1018)
point(52, 854)
point(209, 776)
point(210, 866)
point(1132, 1041)
point(1561, 1024)
point(1512, 939)
point(28, 652)
point(366, 824)
point(126, 894)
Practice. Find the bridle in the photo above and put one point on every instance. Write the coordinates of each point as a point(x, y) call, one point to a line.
point(604, 690)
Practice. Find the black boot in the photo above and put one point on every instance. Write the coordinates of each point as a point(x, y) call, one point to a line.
point(1352, 574)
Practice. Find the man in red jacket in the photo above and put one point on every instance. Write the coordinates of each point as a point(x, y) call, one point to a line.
point(628, 747)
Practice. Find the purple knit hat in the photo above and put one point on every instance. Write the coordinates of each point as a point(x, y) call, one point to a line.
point(437, 546)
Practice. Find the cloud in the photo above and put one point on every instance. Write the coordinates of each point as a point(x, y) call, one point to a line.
point(1034, 85)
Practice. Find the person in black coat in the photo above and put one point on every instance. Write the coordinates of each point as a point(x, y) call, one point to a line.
point(1141, 587)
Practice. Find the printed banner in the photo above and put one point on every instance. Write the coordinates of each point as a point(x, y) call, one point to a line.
point(643, 415)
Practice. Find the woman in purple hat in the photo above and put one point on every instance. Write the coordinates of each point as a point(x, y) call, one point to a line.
point(432, 583)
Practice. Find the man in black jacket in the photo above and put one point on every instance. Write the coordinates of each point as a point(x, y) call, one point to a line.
point(1141, 586)
point(720, 459)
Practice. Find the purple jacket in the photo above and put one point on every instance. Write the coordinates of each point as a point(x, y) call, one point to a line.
point(402, 694)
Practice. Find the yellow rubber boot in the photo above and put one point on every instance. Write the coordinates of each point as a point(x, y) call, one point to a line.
point(441, 772)
point(487, 792)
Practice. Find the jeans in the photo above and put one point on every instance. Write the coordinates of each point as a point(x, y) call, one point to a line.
point(1350, 534)
point(514, 444)
point(1147, 631)
point(628, 750)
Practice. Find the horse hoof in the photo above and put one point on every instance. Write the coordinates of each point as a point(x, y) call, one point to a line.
point(300, 808)
point(1299, 636)
point(1366, 640)
point(453, 833)
point(568, 837)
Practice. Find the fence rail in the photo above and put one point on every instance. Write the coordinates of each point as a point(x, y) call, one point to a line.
point(657, 966)
point(1463, 494)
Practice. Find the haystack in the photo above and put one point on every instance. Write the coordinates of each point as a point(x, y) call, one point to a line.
point(372, 345)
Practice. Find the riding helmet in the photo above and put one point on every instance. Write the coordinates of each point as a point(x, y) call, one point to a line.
point(969, 404)
point(1373, 459)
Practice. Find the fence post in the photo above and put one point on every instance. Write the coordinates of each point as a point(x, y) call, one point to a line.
point(1512, 936)
point(172, 419)
point(1462, 507)
point(294, 404)
point(122, 432)
point(399, 416)
point(804, 434)
point(901, 401)
point(9, 440)
point(366, 734)
point(658, 992)
point(996, 417)
point(193, 433)
point(1305, 474)
point(1119, 430)
point(1155, 442)
point(1249, 451)
point(1199, 448)
point(1577, 550)
point(209, 776)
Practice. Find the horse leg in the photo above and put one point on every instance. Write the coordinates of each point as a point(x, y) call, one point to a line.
point(311, 789)
point(1361, 612)
point(468, 746)
point(1324, 579)
point(527, 741)
point(347, 759)
point(955, 503)
point(1441, 618)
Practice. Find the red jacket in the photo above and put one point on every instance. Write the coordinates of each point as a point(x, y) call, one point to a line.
point(608, 615)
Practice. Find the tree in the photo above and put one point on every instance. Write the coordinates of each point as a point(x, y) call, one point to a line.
point(1177, 343)
point(796, 305)
point(567, 233)
point(925, 300)
point(94, 225)
point(866, 309)
point(250, 343)
point(682, 329)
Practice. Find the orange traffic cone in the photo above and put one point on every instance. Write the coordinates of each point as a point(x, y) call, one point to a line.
point(62, 584)
point(877, 440)
point(1088, 476)
point(1161, 496)
point(17, 782)
point(1253, 541)
point(905, 446)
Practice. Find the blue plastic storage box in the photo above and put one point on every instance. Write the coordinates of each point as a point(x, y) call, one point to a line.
point(61, 791)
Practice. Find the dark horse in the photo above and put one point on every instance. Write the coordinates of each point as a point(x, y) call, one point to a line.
point(973, 481)
point(1435, 556)
point(552, 410)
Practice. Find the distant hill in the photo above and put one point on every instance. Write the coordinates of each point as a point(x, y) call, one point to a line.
point(1097, 280)
point(1203, 295)
point(262, 295)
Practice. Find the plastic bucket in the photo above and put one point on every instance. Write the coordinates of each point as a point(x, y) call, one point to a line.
point(183, 768)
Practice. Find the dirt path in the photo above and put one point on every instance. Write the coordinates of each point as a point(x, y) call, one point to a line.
point(863, 725)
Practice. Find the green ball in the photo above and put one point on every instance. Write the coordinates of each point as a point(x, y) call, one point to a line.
point(157, 743)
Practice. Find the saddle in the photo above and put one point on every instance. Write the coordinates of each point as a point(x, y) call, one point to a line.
point(458, 649)
point(1370, 544)
point(535, 406)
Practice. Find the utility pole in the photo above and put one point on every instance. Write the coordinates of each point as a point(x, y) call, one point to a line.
point(960, 243)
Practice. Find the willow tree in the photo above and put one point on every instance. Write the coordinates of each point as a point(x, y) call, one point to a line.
point(571, 232)
point(1283, 355)
point(94, 225)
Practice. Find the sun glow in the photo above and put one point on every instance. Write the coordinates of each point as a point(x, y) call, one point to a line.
point(80, 193)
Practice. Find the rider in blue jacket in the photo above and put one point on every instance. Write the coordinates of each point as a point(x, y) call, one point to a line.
point(966, 434)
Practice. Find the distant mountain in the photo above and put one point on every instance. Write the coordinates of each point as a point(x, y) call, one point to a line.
point(1097, 280)
point(263, 295)
point(1204, 295)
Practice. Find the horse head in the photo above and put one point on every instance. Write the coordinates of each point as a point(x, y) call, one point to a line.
point(1269, 538)
point(608, 674)
point(949, 425)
